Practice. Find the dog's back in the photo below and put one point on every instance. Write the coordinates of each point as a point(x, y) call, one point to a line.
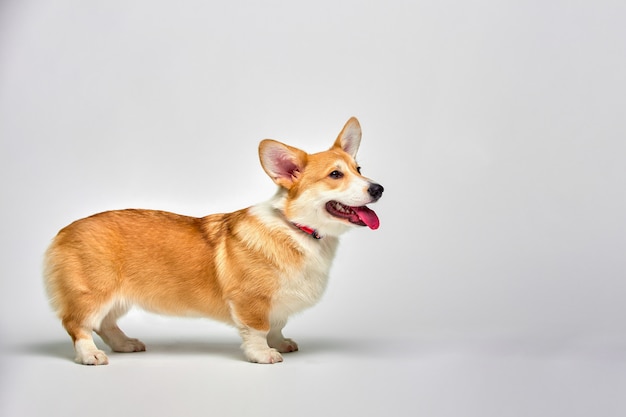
point(137, 257)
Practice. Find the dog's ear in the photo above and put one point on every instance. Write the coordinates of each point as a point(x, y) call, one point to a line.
point(350, 137)
point(283, 163)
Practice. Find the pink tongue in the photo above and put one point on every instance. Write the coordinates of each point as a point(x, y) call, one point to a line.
point(367, 216)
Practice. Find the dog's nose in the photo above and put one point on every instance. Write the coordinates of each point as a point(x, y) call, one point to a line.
point(376, 191)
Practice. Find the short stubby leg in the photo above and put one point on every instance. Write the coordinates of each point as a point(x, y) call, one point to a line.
point(118, 341)
point(113, 336)
point(252, 320)
point(276, 340)
point(88, 354)
point(255, 346)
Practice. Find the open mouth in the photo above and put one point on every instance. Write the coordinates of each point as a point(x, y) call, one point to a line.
point(362, 216)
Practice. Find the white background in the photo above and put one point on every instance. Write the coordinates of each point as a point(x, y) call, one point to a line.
point(495, 285)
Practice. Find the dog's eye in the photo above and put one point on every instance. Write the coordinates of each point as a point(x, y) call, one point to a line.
point(358, 169)
point(336, 175)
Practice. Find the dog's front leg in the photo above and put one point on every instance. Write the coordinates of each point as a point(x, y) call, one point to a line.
point(254, 326)
point(255, 346)
point(276, 339)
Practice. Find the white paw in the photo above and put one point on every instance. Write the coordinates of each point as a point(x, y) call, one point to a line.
point(130, 345)
point(284, 346)
point(264, 356)
point(88, 354)
point(95, 357)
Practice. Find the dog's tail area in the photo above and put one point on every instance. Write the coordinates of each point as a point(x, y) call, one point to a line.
point(52, 276)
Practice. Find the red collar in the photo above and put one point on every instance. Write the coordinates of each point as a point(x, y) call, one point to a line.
point(308, 230)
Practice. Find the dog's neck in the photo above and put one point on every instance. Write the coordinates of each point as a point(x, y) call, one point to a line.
point(308, 230)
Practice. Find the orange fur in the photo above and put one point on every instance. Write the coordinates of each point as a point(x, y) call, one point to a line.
point(250, 268)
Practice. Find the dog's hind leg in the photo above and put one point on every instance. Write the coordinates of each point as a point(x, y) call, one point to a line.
point(80, 328)
point(113, 336)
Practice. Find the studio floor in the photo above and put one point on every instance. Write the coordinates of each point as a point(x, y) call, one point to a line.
point(188, 374)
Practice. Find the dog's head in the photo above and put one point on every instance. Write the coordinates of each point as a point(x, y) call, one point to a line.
point(324, 191)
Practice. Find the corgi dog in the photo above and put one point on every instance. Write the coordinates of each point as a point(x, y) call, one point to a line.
point(251, 268)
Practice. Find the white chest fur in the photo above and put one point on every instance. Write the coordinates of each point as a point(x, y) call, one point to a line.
point(302, 288)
